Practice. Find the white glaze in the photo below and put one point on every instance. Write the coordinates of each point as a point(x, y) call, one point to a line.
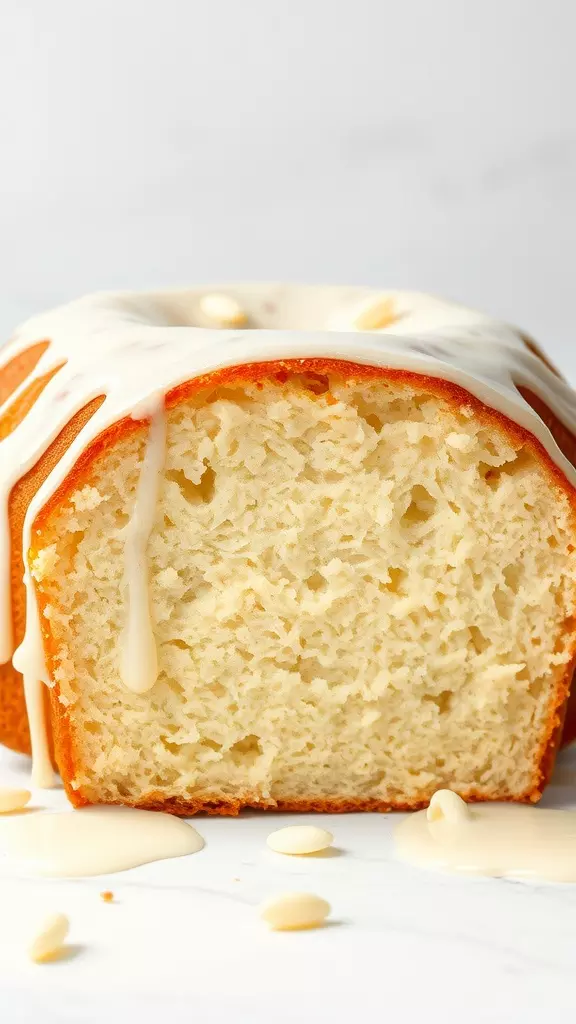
point(96, 840)
point(498, 840)
point(139, 657)
point(129, 346)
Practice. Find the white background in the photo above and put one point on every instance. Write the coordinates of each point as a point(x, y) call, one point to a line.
point(427, 145)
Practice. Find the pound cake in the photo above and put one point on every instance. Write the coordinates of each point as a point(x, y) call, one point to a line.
point(284, 547)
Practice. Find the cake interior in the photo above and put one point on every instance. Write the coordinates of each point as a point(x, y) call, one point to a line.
point(361, 592)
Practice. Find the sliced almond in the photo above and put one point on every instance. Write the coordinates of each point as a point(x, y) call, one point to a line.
point(222, 310)
point(377, 315)
point(294, 911)
point(299, 840)
point(13, 799)
point(447, 806)
point(50, 938)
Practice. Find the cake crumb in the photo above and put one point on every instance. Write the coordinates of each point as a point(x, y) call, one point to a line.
point(107, 896)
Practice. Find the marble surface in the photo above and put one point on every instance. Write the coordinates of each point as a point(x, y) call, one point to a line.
point(183, 936)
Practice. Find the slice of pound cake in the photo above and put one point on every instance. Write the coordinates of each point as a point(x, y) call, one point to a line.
point(285, 547)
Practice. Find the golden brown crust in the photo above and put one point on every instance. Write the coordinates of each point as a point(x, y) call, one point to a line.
point(69, 755)
point(17, 369)
point(14, 731)
point(232, 808)
point(567, 445)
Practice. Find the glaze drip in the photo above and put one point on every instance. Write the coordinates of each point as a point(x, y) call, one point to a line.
point(139, 657)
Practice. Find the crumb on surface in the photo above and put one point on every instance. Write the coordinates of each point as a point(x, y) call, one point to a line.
point(107, 896)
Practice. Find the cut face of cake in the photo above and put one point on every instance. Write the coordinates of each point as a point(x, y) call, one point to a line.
point(320, 558)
